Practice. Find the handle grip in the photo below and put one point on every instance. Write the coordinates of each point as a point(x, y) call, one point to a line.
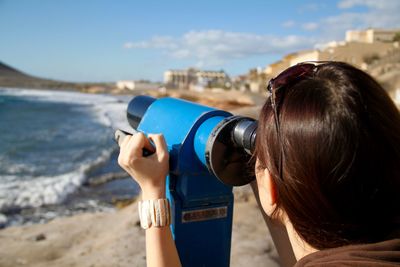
point(120, 135)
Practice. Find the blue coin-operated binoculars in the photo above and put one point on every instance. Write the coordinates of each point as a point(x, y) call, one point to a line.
point(210, 152)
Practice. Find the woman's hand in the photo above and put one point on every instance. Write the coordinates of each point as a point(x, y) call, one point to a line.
point(149, 172)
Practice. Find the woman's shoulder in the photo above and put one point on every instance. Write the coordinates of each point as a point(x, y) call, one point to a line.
point(385, 253)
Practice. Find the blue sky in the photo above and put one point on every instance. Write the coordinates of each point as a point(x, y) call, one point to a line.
point(91, 40)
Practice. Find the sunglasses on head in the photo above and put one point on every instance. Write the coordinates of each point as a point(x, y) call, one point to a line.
point(288, 77)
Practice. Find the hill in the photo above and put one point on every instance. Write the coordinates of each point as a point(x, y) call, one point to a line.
point(380, 59)
point(11, 77)
point(386, 70)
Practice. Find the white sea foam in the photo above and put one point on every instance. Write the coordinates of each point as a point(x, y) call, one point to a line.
point(44, 190)
point(109, 110)
point(20, 193)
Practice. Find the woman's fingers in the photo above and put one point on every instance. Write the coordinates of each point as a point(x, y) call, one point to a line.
point(123, 158)
point(148, 171)
point(125, 141)
point(136, 145)
point(149, 146)
point(132, 147)
point(161, 146)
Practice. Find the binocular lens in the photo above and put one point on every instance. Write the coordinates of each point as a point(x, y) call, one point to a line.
point(137, 108)
point(229, 149)
point(244, 134)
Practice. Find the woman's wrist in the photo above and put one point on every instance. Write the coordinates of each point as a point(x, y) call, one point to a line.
point(152, 192)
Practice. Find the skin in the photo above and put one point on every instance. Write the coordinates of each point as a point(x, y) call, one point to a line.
point(267, 193)
point(150, 173)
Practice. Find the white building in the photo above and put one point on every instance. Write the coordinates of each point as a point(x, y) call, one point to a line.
point(134, 85)
point(195, 79)
point(371, 35)
point(130, 85)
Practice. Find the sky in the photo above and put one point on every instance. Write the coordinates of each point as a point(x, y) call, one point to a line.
point(105, 40)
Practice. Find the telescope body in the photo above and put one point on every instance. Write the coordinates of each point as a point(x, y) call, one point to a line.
point(202, 206)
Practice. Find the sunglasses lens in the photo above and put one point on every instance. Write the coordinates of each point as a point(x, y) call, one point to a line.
point(292, 74)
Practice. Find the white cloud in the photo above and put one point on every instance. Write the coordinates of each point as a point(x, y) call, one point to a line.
point(380, 13)
point(216, 47)
point(311, 7)
point(374, 14)
point(310, 26)
point(212, 47)
point(344, 4)
point(288, 24)
point(377, 14)
point(155, 42)
point(374, 4)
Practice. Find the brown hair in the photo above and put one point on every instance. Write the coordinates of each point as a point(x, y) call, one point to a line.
point(341, 156)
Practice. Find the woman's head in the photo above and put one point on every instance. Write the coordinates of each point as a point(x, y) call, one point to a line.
point(340, 156)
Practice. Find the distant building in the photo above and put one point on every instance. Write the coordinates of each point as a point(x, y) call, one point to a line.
point(256, 86)
point(241, 83)
point(130, 85)
point(371, 35)
point(195, 79)
point(306, 55)
point(136, 85)
point(275, 68)
point(355, 53)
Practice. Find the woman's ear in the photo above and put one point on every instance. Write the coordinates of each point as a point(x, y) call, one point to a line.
point(271, 188)
point(267, 190)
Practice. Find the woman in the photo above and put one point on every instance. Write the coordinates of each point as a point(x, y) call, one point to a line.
point(327, 167)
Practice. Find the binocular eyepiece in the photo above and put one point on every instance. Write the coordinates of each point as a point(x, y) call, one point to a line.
point(229, 146)
point(244, 134)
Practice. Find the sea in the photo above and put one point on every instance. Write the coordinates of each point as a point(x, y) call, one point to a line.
point(52, 144)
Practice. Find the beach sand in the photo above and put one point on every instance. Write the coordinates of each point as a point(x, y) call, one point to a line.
point(116, 239)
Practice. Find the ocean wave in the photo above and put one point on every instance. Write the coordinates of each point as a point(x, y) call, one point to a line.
point(17, 168)
point(109, 110)
point(18, 192)
point(44, 190)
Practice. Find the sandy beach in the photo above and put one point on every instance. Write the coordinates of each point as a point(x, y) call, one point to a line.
point(116, 239)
